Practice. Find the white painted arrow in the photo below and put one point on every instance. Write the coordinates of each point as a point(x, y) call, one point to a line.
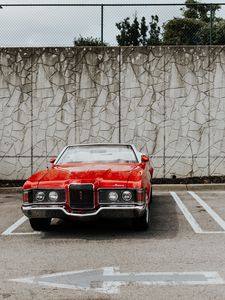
point(109, 279)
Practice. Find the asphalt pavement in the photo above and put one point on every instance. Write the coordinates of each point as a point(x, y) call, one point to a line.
point(181, 256)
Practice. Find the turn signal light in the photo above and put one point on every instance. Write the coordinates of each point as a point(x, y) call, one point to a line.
point(25, 196)
point(140, 196)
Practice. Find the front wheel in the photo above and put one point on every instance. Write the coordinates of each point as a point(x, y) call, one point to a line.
point(40, 224)
point(142, 223)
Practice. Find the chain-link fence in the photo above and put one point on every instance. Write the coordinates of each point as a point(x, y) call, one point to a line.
point(54, 24)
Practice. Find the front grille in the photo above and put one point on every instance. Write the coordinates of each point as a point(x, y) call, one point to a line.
point(81, 196)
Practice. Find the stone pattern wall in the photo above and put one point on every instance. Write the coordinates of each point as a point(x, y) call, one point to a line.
point(168, 101)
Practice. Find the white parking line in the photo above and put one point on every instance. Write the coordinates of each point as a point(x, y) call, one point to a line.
point(194, 224)
point(209, 210)
point(213, 232)
point(191, 220)
point(14, 226)
point(25, 233)
point(18, 223)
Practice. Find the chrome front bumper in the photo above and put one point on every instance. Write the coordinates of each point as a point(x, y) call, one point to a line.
point(102, 212)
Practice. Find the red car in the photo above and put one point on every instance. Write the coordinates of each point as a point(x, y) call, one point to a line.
point(88, 181)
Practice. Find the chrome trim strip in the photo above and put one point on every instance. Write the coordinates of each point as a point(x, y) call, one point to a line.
point(30, 208)
point(44, 203)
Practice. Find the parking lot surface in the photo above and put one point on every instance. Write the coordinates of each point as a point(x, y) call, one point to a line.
point(181, 256)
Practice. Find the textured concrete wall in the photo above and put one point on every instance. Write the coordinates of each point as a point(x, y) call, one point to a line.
point(169, 101)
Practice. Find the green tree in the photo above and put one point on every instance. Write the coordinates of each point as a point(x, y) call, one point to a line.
point(194, 27)
point(123, 38)
point(196, 10)
point(130, 33)
point(137, 33)
point(154, 31)
point(143, 31)
point(183, 32)
point(88, 41)
point(218, 33)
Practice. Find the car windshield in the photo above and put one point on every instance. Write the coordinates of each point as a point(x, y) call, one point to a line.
point(95, 153)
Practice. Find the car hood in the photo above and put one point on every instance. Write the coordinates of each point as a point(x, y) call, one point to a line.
point(98, 174)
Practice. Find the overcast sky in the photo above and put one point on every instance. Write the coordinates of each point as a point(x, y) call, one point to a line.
point(57, 26)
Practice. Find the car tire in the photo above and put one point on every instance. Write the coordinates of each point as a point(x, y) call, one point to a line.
point(40, 224)
point(142, 223)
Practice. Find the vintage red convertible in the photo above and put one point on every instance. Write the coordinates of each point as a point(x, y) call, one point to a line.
point(88, 181)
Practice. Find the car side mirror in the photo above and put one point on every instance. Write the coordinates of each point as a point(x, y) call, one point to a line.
point(52, 160)
point(144, 158)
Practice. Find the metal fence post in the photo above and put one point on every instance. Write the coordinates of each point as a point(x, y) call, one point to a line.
point(102, 24)
point(211, 25)
point(209, 92)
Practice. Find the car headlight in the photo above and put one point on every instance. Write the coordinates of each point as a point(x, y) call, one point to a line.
point(113, 196)
point(40, 196)
point(126, 196)
point(53, 196)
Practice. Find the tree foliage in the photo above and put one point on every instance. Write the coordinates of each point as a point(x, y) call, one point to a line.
point(183, 31)
point(218, 33)
point(198, 25)
point(154, 31)
point(135, 33)
point(88, 41)
point(194, 27)
point(200, 11)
